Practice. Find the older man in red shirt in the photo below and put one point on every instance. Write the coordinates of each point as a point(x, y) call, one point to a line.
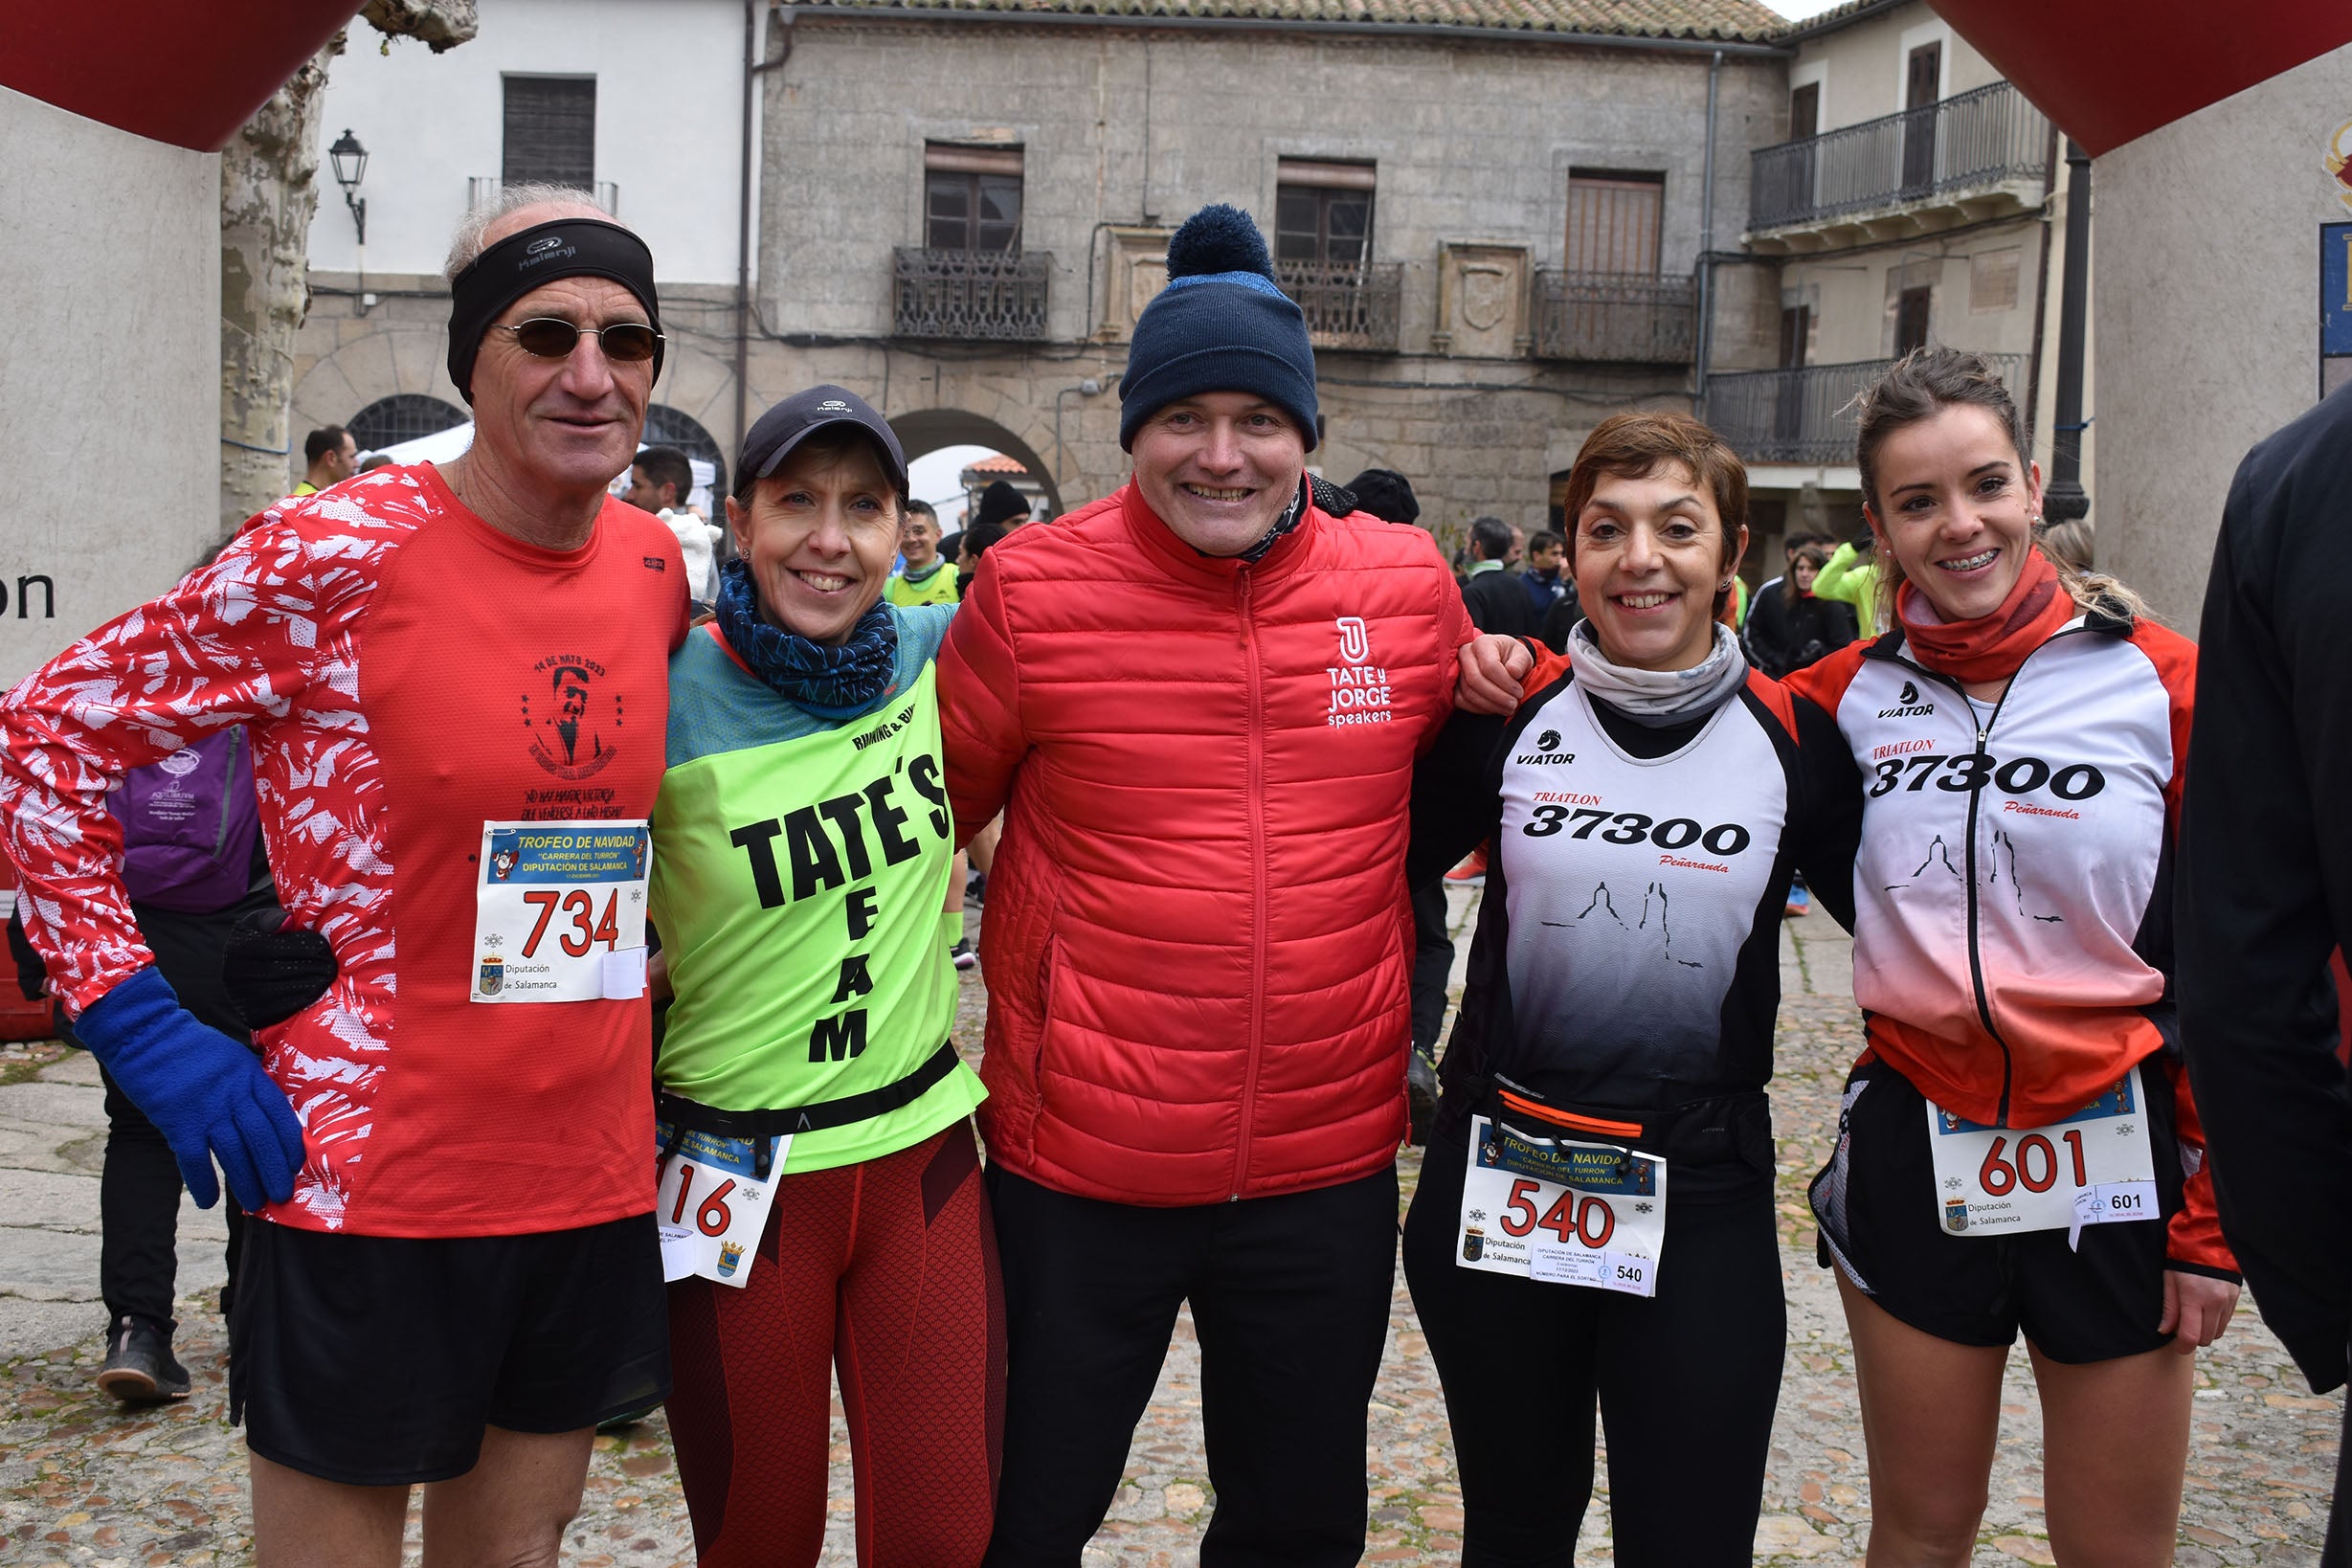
point(454, 680)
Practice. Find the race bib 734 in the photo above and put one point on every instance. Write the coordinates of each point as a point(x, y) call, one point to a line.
point(559, 912)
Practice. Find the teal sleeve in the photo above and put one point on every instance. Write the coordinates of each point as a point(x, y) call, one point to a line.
point(921, 630)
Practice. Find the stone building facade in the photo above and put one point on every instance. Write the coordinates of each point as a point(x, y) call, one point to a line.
point(1497, 229)
point(1917, 199)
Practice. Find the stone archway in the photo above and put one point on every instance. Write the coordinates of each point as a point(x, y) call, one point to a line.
point(926, 429)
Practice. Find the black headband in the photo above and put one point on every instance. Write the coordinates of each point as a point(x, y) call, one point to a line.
point(519, 262)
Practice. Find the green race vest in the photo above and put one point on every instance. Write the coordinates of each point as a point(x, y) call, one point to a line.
point(798, 887)
point(939, 588)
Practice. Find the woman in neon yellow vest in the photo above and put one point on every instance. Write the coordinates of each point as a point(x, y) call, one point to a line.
point(820, 1202)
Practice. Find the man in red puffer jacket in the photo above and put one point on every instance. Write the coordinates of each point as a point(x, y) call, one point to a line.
point(1198, 703)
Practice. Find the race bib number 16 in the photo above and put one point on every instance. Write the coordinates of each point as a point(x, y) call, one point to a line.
point(559, 912)
point(713, 1204)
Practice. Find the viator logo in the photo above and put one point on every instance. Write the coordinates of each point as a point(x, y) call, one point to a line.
point(1906, 705)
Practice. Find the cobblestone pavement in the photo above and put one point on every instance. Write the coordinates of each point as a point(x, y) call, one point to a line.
point(84, 1483)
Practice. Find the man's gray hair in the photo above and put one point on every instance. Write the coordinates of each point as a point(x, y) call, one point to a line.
point(466, 246)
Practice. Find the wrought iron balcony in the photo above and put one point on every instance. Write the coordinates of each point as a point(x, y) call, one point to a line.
point(1615, 316)
point(1972, 155)
point(482, 190)
point(1804, 416)
point(1347, 305)
point(969, 295)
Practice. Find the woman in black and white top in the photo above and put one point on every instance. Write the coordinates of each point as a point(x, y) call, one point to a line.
point(1594, 1213)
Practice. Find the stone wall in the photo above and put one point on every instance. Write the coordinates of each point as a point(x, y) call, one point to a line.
point(1124, 133)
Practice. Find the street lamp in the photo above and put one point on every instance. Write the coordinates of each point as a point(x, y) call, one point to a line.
point(350, 162)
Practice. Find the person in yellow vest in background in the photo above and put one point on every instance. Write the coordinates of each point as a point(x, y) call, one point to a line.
point(927, 579)
point(1851, 576)
point(333, 457)
point(820, 1203)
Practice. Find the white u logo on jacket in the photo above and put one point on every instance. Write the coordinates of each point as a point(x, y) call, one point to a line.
point(1355, 640)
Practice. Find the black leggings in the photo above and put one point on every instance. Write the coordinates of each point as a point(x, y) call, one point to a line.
point(1687, 1381)
point(139, 1220)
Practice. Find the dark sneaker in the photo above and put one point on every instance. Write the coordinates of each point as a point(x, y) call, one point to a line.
point(1421, 1086)
point(976, 887)
point(962, 952)
point(139, 1367)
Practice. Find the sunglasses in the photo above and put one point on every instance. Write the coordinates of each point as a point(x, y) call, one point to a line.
point(550, 337)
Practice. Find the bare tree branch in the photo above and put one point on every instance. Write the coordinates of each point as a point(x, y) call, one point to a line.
point(268, 197)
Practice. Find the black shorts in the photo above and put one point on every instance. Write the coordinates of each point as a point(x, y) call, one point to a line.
point(377, 1360)
point(1876, 1204)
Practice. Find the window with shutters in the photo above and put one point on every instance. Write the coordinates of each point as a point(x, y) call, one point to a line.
point(551, 130)
point(971, 278)
point(1805, 111)
point(1323, 213)
point(1613, 220)
point(972, 198)
point(1912, 308)
point(1323, 254)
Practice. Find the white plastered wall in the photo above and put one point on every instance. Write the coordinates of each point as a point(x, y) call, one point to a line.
point(669, 128)
point(2207, 250)
point(109, 372)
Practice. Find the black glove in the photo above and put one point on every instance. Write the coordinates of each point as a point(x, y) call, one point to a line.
point(272, 974)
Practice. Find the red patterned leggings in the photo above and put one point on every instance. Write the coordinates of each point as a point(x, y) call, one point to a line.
point(887, 1270)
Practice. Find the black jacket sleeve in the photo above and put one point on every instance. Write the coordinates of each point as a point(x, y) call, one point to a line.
point(1561, 619)
point(32, 975)
point(2264, 882)
point(1457, 798)
point(1829, 835)
point(1766, 634)
point(1497, 603)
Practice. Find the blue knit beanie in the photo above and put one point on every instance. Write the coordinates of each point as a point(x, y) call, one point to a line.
point(1222, 325)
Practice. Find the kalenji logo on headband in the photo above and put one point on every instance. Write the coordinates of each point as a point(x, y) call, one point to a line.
point(548, 244)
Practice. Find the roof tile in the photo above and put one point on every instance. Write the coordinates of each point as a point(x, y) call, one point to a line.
point(1721, 20)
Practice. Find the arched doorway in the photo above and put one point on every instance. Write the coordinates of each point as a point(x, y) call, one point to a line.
point(403, 416)
point(666, 426)
point(927, 429)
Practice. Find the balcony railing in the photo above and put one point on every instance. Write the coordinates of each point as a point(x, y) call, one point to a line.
point(1347, 307)
point(1615, 316)
point(1972, 140)
point(970, 296)
point(482, 190)
point(1804, 416)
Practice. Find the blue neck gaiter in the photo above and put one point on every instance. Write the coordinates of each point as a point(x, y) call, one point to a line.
point(831, 682)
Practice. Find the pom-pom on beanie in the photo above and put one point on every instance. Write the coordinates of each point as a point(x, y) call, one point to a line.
point(1222, 325)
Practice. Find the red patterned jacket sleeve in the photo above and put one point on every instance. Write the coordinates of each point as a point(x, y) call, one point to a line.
point(245, 638)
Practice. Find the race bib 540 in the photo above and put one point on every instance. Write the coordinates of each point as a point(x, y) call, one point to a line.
point(1587, 1214)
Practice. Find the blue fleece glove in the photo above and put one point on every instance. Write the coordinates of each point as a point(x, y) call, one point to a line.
point(206, 1093)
